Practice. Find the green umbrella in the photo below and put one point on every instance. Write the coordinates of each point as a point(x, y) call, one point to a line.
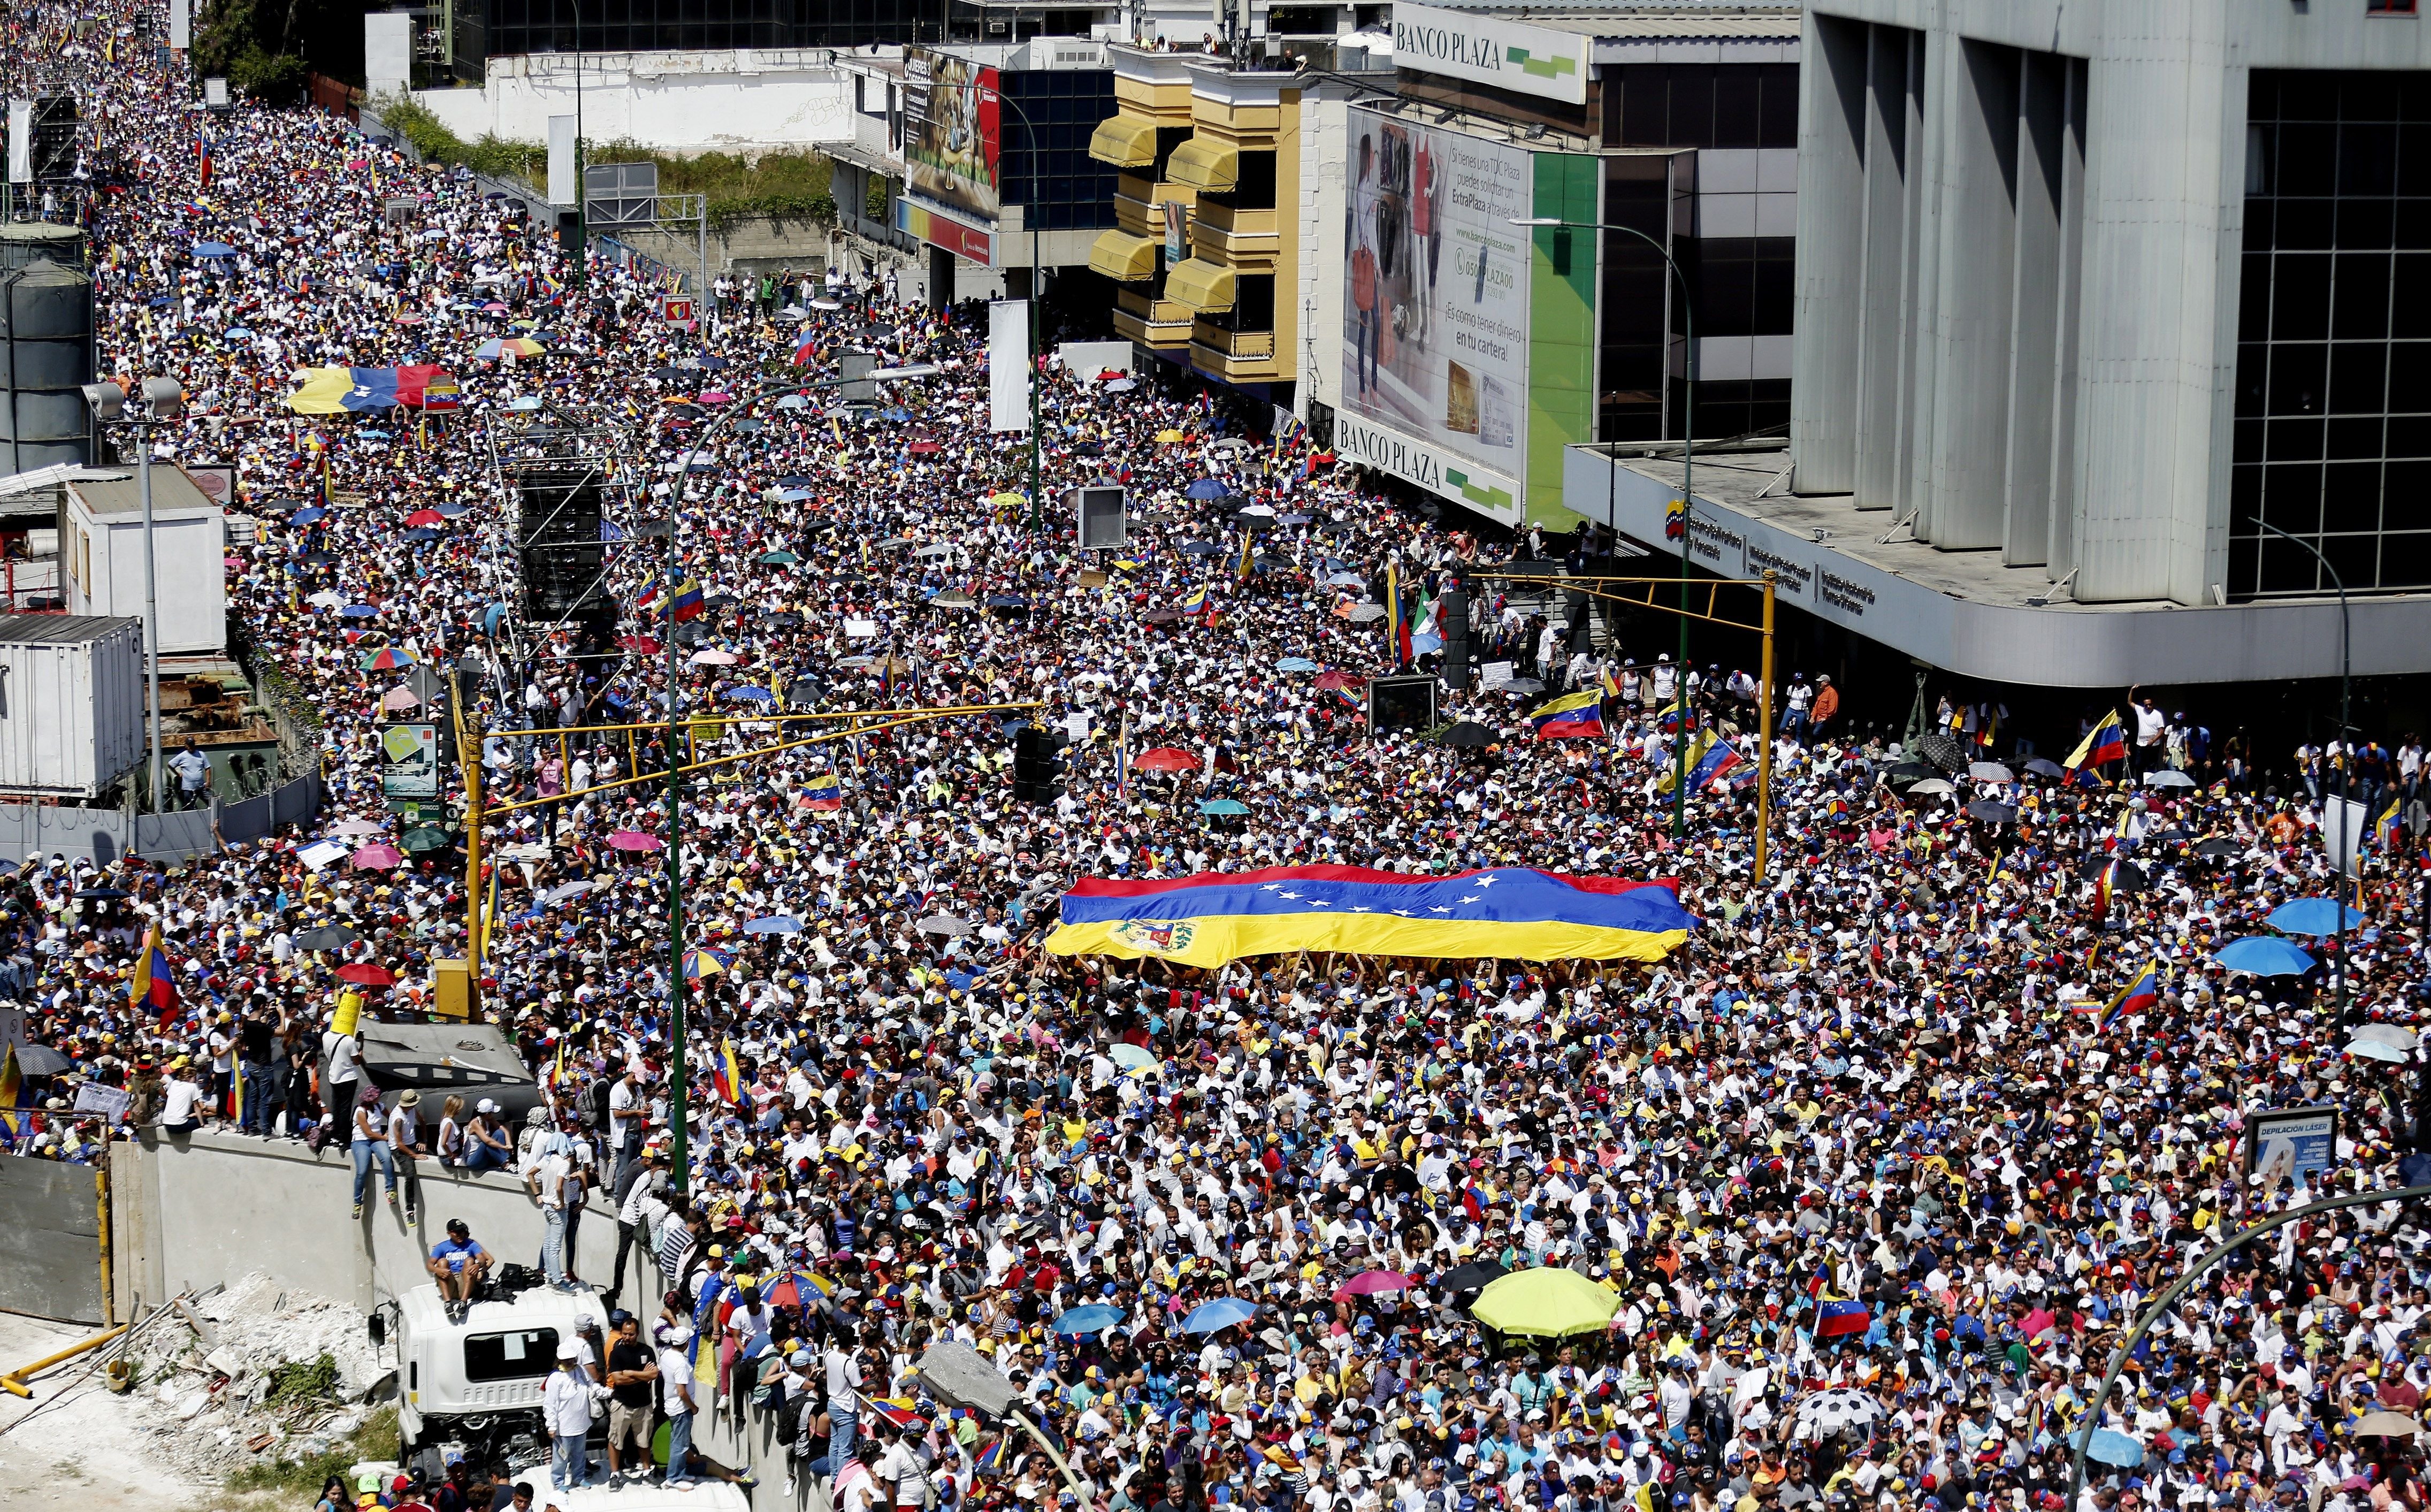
point(777, 558)
point(1548, 1302)
point(427, 838)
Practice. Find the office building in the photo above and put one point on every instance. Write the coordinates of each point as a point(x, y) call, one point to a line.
point(2092, 299)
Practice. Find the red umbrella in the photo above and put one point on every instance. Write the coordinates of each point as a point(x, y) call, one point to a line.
point(422, 517)
point(1327, 681)
point(365, 974)
point(639, 644)
point(1367, 1283)
point(378, 856)
point(1165, 758)
point(635, 840)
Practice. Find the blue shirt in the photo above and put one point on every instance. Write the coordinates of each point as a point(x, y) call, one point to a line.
point(457, 1255)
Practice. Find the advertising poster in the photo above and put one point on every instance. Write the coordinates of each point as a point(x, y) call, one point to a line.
point(1435, 330)
point(411, 767)
point(949, 132)
point(2288, 1144)
point(1177, 221)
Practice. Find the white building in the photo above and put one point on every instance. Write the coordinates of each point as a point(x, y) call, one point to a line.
point(101, 550)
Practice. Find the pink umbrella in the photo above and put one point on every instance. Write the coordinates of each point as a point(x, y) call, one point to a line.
point(1368, 1283)
point(400, 698)
point(635, 840)
point(378, 856)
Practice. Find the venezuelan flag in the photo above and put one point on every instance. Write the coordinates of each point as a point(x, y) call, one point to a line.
point(823, 794)
point(1513, 911)
point(153, 983)
point(688, 604)
point(1719, 760)
point(1571, 716)
point(728, 1073)
point(361, 389)
point(2139, 996)
point(1194, 600)
point(1833, 1319)
point(2106, 742)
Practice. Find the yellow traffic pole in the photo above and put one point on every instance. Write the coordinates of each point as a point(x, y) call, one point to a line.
point(1764, 745)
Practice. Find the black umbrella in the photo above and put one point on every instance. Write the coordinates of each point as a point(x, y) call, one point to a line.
point(2129, 878)
point(2043, 767)
point(1474, 1276)
point(103, 892)
point(1943, 752)
point(2219, 845)
point(327, 937)
point(1907, 774)
point(1468, 735)
point(41, 1060)
point(1201, 548)
point(1991, 812)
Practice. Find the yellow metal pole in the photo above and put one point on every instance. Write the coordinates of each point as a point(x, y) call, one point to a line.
point(15, 1380)
point(1764, 745)
point(468, 755)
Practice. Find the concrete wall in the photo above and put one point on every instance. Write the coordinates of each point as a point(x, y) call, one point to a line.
point(104, 835)
point(743, 100)
point(201, 1209)
point(1315, 359)
point(50, 1246)
point(208, 1208)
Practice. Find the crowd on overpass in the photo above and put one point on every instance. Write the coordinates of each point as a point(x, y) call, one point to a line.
point(1875, 1170)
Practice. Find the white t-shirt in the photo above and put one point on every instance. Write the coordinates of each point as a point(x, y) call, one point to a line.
point(620, 1109)
point(179, 1106)
point(675, 1373)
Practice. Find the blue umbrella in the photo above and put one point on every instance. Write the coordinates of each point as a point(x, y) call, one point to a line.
point(420, 532)
point(1224, 806)
point(1206, 488)
point(2312, 915)
point(1091, 1319)
point(359, 611)
point(236, 333)
point(2111, 1447)
point(792, 496)
point(1222, 1313)
point(712, 364)
point(1296, 663)
point(2263, 955)
point(452, 511)
point(371, 433)
point(309, 517)
point(774, 924)
point(898, 413)
point(751, 695)
point(1007, 601)
point(213, 249)
point(795, 481)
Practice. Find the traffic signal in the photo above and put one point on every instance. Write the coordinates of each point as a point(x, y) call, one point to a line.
point(1037, 771)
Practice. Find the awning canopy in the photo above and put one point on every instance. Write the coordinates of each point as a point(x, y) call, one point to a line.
point(1124, 258)
point(1202, 287)
point(1124, 140)
point(1205, 164)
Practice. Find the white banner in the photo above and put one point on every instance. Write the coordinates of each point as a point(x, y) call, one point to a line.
point(1008, 364)
point(560, 159)
point(2342, 833)
point(1509, 54)
point(21, 141)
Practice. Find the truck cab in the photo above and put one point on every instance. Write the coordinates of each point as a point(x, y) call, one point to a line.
point(475, 1385)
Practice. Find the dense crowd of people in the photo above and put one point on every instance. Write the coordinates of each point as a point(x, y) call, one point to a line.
point(1876, 1169)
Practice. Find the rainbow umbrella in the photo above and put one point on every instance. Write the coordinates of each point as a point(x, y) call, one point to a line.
point(387, 659)
point(700, 960)
point(497, 347)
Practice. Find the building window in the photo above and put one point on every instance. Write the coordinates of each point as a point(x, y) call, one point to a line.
point(2332, 439)
point(2388, 8)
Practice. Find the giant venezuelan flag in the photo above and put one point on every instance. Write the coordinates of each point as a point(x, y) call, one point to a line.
point(361, 389)
point(1513, 911)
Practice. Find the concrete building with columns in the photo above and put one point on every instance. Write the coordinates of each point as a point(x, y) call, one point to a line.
point(2089, 294)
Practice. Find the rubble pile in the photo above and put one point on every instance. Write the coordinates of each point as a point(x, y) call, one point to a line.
point(250, 1383)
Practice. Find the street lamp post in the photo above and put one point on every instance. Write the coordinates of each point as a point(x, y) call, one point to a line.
point(1037, 288)
point(163, 399)
point(678, 1115)
point(2346, 759)
point(1687, 490)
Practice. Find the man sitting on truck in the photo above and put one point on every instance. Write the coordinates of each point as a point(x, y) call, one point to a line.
point(459, 1266)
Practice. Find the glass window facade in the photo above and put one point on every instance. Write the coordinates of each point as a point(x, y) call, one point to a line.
point(2333, 427)
point(1072, 190)
point(496, 27)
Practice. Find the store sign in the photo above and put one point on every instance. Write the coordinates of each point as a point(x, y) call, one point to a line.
point(1357, 439)
point(2288, 1144)
point(965, 242)
point(1508, 55)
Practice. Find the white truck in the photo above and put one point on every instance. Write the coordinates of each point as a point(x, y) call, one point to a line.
point(474, 1385)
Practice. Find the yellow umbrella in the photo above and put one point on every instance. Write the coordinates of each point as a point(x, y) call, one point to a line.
point(1008, 498)
point(1167, 438)
point(1548, 1302)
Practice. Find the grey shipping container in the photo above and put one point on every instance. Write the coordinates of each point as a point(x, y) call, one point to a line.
point(71, 703)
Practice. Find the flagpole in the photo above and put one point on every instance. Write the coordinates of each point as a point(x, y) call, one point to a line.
point(2346, 762)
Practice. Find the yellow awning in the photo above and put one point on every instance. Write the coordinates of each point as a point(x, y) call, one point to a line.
point(1205, 164)
point(1124, 140)
point(1203, 287)
point(1123, 257)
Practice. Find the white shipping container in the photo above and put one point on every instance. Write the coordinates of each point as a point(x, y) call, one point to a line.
point(71, 703)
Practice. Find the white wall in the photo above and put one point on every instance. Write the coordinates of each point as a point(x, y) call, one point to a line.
point(388, 51)
point(738, 100)
point(190, 580)
point(1324, 146)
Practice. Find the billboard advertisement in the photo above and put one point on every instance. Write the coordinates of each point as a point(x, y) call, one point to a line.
point(949, 132)
point(1509, 54)
point(1435, 330)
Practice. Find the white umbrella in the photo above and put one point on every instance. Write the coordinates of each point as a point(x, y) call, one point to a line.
point(1990, 772)
point(2168, 779)
point(1931, 786)
point(2389, 1034)
point(1828, 1412)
